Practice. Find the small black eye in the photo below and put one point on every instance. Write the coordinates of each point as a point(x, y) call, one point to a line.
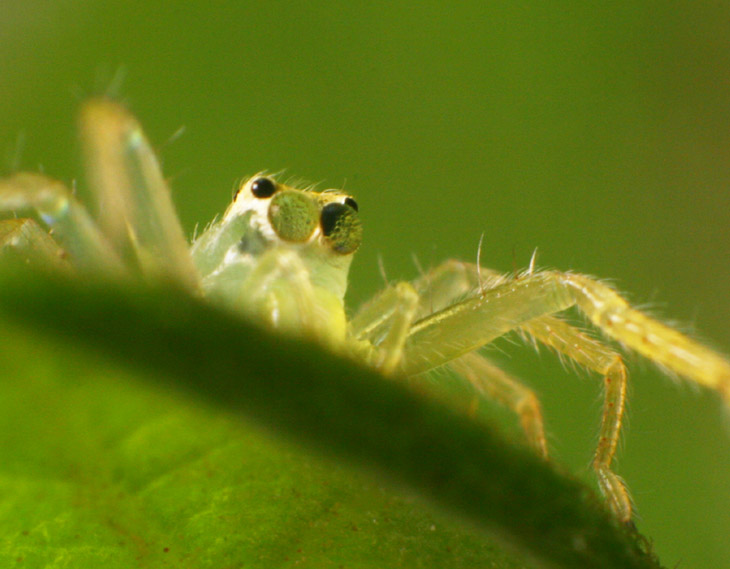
point(263, 188)
point(352, 203)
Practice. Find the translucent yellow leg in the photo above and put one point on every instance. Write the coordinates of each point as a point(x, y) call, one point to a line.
point(386, 320)
point(597, 357)
point(27, 242)
point(278, 290)
point(526, 303)
point(496, 384)
point(135, 205)
point(57, 206)
point(659, 343)
point(454, 279)
point(488, 314)
point(385, 323)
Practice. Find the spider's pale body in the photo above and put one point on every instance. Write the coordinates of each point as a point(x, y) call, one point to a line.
point(281, 255)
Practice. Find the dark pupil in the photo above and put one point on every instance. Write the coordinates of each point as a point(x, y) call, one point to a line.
point(352, 203)
point(331, 213)
point(263, 188)
point(341, 228)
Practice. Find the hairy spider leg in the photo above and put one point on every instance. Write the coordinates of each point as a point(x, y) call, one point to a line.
point(135, 205)
point(495, 384)
point(278, 289)
point(443, 286)
point(489, 313)
point(453, 280)
point(26, 241)
point(60, 210)
point(385, 323)
point(381, 326)
point(597, 357)
point(525, 302)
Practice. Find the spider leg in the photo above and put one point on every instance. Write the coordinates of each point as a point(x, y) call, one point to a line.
point(584, 350)
point(526, 303)
point(497, 385)
point(392, 311)
point(210, 248)
point(278, 290)
point(135, 207)
point(29, 242)
point(439, 288)
point(87, 246)
point(452, 280)
point(384, 323)
point(667, 347)
point(487, 314)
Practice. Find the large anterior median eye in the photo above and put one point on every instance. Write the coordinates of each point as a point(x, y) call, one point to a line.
point(341, 227)
point(293, 215)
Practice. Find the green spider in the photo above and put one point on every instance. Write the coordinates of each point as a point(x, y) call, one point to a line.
point(281, 255)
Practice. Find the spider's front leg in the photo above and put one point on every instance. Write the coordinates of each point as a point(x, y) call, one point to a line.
point(525, 303)
point(277, 290)
point(381, 326)
point(384, 325)
point(136, 212)
point(488, 314)
point(453, 280)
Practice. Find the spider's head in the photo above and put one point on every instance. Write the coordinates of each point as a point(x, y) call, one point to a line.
point(293, 217)
point(324, 228)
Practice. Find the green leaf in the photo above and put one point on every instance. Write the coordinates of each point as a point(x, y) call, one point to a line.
point(144, 428)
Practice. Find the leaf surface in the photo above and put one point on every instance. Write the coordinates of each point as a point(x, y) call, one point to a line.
point(143, 428)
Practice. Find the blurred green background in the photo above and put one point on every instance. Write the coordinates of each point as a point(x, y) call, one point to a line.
point(600, 134)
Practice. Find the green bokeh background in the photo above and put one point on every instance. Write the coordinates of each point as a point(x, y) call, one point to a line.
point(600, 134)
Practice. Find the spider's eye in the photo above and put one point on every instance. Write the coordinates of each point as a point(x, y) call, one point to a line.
point(341, 227)
point(352, 203)
point(263, 188)
point(238, 191)
point(293, 215)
